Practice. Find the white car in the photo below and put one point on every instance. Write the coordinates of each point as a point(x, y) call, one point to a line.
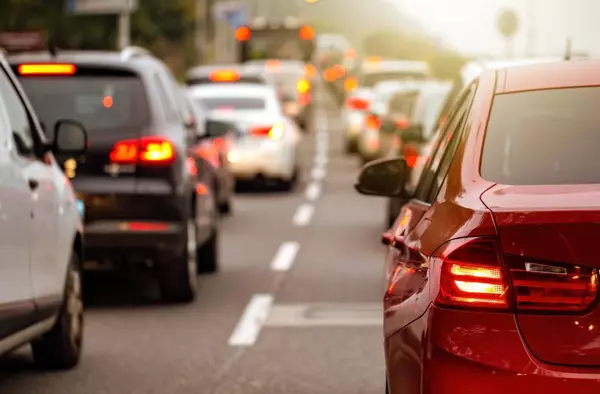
point(41, 242)
point(370, 74)
point(267, 148)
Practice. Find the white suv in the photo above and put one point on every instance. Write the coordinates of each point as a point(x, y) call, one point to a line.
point(40, 233)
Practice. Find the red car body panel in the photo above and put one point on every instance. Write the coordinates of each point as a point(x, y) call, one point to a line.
point(435, 349)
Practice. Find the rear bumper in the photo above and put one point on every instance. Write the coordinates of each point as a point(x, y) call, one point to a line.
point(131, 241)
point(268, 167)
point(464, 352)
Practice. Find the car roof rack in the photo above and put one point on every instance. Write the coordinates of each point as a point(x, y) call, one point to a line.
point(132, 52)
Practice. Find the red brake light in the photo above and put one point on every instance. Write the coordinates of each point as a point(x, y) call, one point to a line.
point(547, 286)
point(410, 155)
point(242, 33)
point(261, 131)
point(224, 76)
point(307, 33)
point(373, 122)
point(273, 132)
point(472, 275)
point(149, 150)
point(357, 103)
point(47, 69)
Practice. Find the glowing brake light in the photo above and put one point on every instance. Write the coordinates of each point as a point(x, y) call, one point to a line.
point(243, 33)
point(224, 76)
point(273, 132)
point(373, 122)
point(303, 86)
point(307, 33)
point(357, 103)
point(472, 275)
point(350, 84)
point(148, 150)
point(410, 155)
point(47, 69)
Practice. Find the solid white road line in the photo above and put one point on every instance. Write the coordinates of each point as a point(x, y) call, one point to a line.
point(313, 191)
point(318, 173)
point(254, 316)
point(303, 215)
point(285, 256)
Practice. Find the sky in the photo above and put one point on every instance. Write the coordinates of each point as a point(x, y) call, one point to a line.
point(470, 25)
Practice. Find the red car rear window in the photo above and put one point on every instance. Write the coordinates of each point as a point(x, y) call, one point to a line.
point(546, 137)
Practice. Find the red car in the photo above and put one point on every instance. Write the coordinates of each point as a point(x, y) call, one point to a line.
point(492, 268)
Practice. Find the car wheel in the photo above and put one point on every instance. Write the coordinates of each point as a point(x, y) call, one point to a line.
point(178, 276)
point(350, 148)
point(289, 184)
point(60, 348)
point(225, 207)
point(207, 255)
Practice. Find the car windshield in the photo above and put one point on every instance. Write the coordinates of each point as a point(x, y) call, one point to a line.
point(546, 137)
point(428, 108)
point(233, 103)
point(371, 79)
point(99, 102)
point(402, 103)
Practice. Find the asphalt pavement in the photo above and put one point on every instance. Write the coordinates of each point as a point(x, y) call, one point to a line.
point(295, 307)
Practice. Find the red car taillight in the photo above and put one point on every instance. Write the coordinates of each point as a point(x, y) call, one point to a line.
point(146, 150)
point(551, 287)
point(357, 104)
point(411, 155)
point(373, 122)
point(473, 275)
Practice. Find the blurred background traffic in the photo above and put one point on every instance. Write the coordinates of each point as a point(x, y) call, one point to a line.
point(211, 149)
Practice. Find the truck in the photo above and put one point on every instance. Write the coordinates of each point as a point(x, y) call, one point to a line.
point(285, 39)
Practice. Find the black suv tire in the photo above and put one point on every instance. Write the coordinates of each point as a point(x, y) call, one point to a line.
point(60, 348)
point(177, 276)
point(207, 255)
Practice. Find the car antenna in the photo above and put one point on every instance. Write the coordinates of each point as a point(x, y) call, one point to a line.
point(568, 49)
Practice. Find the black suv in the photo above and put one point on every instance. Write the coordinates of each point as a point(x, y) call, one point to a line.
point(145, 200)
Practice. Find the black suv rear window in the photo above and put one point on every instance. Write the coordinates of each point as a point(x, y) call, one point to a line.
point(99, 102)
point(372, 79)
point(546, 137)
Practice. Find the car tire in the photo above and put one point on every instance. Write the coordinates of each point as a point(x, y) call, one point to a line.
point(225, 208)
point(350, 148)
point(60, 348)
point(288, 185)
point(178, 276)
point(207, 254)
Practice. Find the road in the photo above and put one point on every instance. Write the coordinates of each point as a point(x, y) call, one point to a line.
point(294, 309)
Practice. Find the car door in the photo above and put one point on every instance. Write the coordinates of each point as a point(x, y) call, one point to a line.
point(16, 292)
point(407, 271)
point(47, 272)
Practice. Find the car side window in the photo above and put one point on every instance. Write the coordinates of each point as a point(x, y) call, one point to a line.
point(18, 118)
point(454, 137)
point(171, 113)
point(432, 166)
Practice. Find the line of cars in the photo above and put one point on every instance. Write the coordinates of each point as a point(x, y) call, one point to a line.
point(491, 276)
point(109, 163)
